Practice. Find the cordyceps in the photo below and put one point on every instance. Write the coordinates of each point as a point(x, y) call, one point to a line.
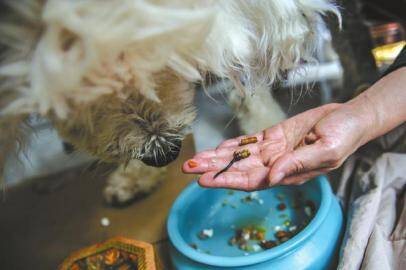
point(248, 140)
point(238, 155)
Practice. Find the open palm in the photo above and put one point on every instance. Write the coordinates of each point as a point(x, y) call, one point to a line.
point(299, 148)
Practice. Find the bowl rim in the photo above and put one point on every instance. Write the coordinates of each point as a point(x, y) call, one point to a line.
point(180, 244)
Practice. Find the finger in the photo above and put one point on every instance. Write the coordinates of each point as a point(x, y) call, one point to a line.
point(301, 178)
point(198, 166)
point(254, 179)
point(303, 159)
point(228, 152)
point(236, 141)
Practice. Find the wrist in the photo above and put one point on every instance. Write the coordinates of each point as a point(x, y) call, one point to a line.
point(362, 107)
point(383, 105)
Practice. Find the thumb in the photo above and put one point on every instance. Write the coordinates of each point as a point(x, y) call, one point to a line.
point(303, 159)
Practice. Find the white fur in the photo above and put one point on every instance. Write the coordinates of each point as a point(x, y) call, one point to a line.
point(256, 112)
point(256, 40)
point(135, 179)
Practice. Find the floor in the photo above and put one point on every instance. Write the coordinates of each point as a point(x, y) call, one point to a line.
point(45, 219)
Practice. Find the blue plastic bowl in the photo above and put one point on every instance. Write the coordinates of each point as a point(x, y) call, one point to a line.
point(314, 247)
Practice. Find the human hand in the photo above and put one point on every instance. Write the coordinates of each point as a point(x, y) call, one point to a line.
point(297, 149)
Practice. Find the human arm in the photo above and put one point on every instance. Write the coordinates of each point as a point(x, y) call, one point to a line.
point(309, 144)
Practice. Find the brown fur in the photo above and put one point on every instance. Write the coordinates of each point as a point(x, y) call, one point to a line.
point(120, 128)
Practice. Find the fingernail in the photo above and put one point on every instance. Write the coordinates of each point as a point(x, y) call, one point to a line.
point(278, 177)
point(192, 163)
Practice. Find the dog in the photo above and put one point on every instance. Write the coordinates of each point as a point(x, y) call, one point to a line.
point(117, 78)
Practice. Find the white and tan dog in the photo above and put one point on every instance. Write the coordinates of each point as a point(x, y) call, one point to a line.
point(116, 77)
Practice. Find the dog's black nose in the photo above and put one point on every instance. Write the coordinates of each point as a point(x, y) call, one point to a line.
point(163, 154)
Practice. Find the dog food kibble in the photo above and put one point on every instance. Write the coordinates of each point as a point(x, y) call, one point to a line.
point(282, 234)
point(268, 244)
point(309, 208)
point(308, 211)
point(248, 140)
point(206, 234)
point(261, 235)
point(243, 238)
point(253, 196)
point(293, 228)
point(192, 163)
point(281, 206)
point(253, 238)
point(284, 239)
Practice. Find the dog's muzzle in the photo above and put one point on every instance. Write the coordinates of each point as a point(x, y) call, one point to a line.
point(166, 153)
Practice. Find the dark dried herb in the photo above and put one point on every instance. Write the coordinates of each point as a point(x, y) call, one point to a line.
point(282, 234)
point(244, 235)
point(281, 206)
point(239, 155)
point(268, 244)
point(284, 239)
point(248, 140)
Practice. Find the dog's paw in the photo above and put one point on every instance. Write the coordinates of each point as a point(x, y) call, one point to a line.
point(119, 192)
point(135, 181)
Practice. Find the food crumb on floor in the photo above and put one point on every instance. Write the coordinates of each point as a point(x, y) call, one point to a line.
point(105, 222)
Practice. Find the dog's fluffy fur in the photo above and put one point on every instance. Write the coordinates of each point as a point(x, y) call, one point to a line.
point(116, 76)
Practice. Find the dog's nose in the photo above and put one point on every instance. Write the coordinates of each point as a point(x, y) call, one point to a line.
point(163, 156)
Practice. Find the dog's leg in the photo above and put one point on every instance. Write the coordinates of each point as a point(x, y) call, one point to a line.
point(13, 139)
point(132, 181)
point(256, 112)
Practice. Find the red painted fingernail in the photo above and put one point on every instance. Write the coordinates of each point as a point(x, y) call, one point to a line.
point(192, 163)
